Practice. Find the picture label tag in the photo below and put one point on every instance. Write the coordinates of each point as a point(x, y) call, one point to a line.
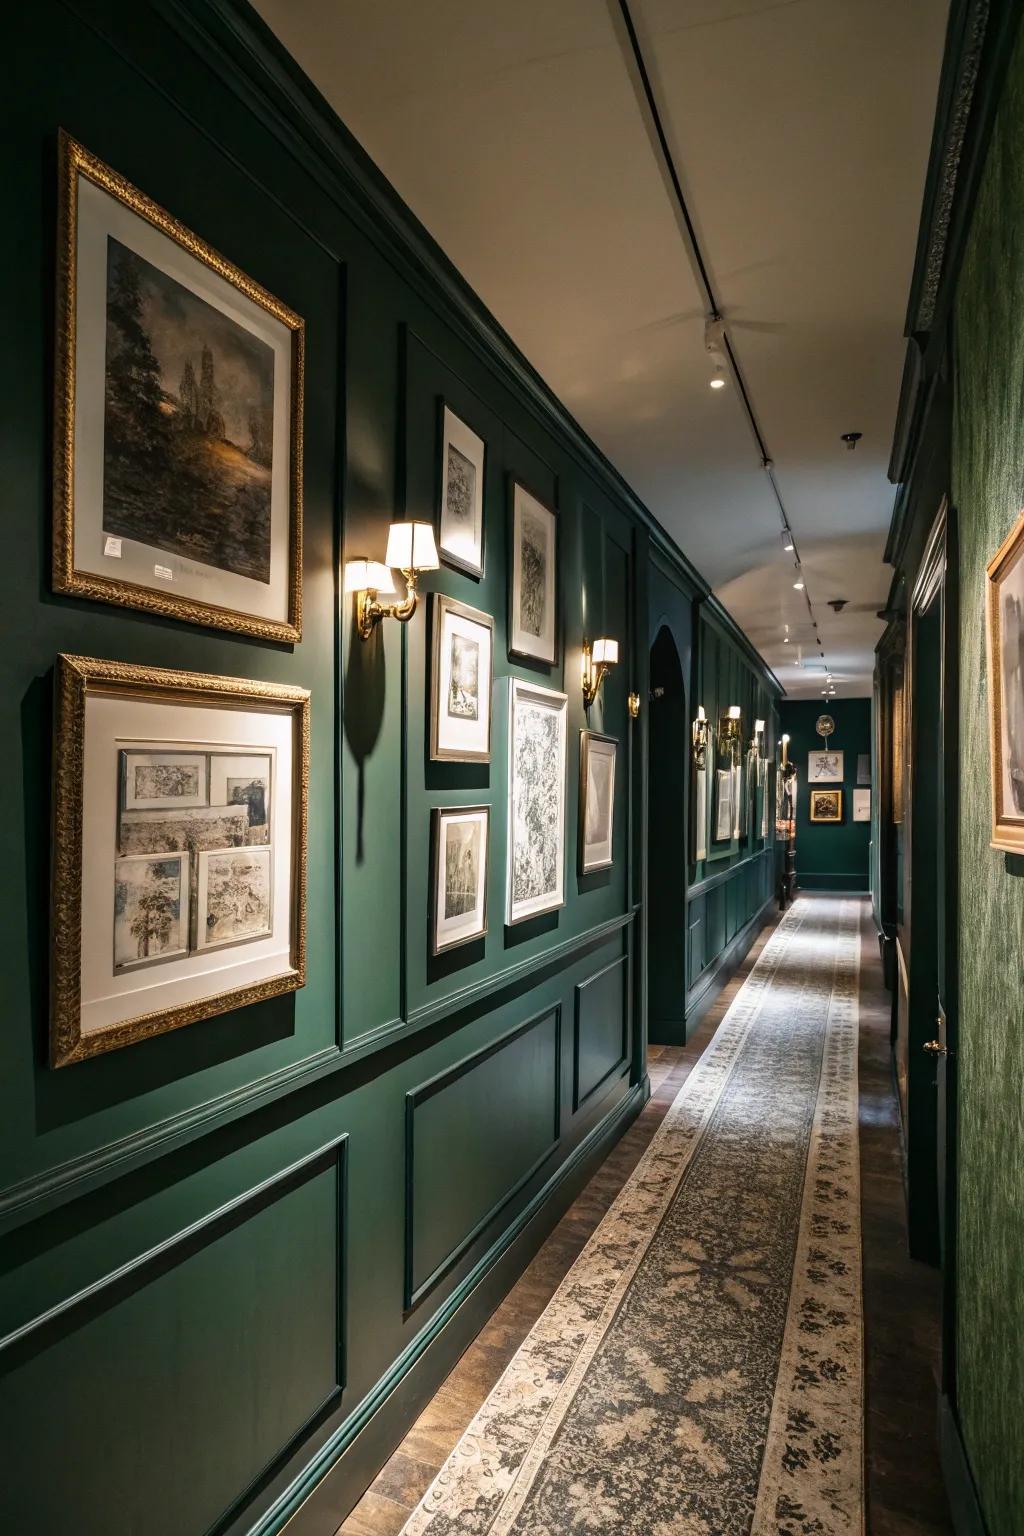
point(112, 547)
point(163, 572)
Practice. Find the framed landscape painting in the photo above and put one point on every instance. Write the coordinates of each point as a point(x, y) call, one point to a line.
point(178, 463)
point(460, 694)
point(826, 805)
point(533, 601)
point(536, 792)
point(1005, 632)
point(460, 523)
point(460, 847)
point(597, 801)
point(179, 850)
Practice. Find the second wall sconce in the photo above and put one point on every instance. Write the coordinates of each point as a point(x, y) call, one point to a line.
point(596, 661)
point(729, 730)
point(700, 730)
point(411, 549)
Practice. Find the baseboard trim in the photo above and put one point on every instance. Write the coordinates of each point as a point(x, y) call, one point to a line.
point(964, 1504)
point(703, 993)
point(832, 881)
point(326, 1491)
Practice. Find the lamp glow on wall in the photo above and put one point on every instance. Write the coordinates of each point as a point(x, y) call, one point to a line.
point(411, 549)
point(597, 658)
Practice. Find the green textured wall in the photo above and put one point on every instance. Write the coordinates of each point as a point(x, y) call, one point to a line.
point(832, 858)
point(222, 1249)
point(988, 478)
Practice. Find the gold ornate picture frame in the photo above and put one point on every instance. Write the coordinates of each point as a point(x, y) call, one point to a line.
point(826, 805)
point(179, 850)
point(178, 418)
point(1004, 630)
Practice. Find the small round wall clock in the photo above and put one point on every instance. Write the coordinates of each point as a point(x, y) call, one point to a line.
point(824, 725)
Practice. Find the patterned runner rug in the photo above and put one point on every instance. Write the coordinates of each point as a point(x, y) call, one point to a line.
point(699, 1369)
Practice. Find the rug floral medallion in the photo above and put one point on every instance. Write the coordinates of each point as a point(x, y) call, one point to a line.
point(699, 1369)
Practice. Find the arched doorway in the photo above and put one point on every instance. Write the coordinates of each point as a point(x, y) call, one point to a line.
point(666, 846)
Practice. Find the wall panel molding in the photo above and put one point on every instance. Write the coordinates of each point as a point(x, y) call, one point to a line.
point(581, 998)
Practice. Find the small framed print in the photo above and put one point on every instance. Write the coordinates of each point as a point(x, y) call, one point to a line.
point(725, 779)
point(826, 805)
point(862, 805)
point(460, 521)
point(597, 801)
point(536, 796)
point(460, 694)
point(700, 812)
point(1004, 629)
point(533, 599)
point(179, 850)
point(825, 767)
point(864, 768)
point(460, 849)
point(178, 466)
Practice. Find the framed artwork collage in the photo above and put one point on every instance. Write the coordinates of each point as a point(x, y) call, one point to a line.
point(180, 798)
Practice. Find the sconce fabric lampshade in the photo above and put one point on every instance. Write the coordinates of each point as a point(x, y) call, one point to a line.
point(758, 727)
point(411, 547)
point(367, 575)
point(606, 651)
point(734, 711)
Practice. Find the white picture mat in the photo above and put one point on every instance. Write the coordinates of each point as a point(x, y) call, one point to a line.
point(531, 696)
point(862, 805)
point(825, 767)
point(455, 734)
point(723, 804)
point(521, 640)
point(100, 215)
point(598, 853)
point(700, 814)
point(135, 802)
point(114, 722)
point(466, 546)
point(468, 925)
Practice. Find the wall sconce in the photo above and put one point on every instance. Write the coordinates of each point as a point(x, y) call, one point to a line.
point(755, 743)
point(699, 732)
point(785, 748)
point(633, 705)
point(596, 661)
point(411, 549)
point(729, 730)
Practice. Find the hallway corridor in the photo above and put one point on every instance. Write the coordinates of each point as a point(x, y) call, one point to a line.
point(686, 1352)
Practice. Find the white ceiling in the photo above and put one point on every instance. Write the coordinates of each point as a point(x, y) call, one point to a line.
point(515, 131)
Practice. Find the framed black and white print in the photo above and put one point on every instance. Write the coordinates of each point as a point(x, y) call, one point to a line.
point(178, 463)
point(460, 695)
point(597, 801)
point(536, 795)
point(725, 782)
point(533, 598)
point(179, 855)
point(459, 853)
point(460, 521)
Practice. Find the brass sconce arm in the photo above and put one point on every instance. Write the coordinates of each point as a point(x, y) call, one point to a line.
point(700, 732)
point(371, 612)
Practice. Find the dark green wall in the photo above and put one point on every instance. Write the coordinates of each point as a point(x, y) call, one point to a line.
point(223, 1249)
point(829, 858)
point(988, 479)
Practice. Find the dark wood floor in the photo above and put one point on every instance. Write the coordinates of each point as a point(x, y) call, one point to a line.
point(901, 1300)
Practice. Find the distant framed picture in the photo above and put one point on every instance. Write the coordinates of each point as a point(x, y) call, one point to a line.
point(864, 768)
point(826, 805)
point(765, 776)
point(700, 813)
point(536, 794)
point(725, 780)
point(862, 805)
point(533, 599)
point(597, 800)
point(179, 850)
point(825, 767)
point(460, 519)
point(459, 853)
point(460, 695)
point(178, 463)
point(1005, 634)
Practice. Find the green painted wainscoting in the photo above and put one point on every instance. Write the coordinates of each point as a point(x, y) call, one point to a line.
point(988, 488)
point(829, 858)
point(235, 1259)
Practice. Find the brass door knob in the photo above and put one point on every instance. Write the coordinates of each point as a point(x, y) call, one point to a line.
point(934, 1048)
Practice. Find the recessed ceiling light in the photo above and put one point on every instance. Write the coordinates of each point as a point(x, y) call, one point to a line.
point(717, 380)
point(798, 585)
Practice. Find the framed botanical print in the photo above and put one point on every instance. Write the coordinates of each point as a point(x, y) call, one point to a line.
point(533, 601)
point(725, 781)
point(460, 520)
point(825, 767)
point(826, 805)
point(179, 850)
point(459, 843)
point(536, 800)
point(460, 694)
point(178, 464)
point(597, 801)
point(1005, 633)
